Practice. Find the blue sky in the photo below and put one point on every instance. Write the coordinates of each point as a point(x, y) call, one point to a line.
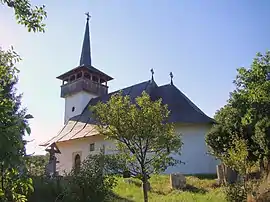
point(201, 42)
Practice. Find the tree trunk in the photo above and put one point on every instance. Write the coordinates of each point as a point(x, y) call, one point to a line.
point(268, 171)
point(145, 190)
point(2, 177)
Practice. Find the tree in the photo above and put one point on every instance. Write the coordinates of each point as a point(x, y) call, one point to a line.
point(246, 116)
point(26, 15)
point(15, 185)
point(13, 124)
point(140, 128)
point(36, 164)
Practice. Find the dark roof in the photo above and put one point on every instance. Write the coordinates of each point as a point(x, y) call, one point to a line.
point(133, 91)
point(90, 68)
point(85, 60)
point(86, 49)
point(182, 109)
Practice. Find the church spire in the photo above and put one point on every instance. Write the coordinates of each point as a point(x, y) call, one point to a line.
point(86, 49)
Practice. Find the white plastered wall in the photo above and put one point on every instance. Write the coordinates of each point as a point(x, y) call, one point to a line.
point(82, 147)
point(194, 151)
point(78, 101)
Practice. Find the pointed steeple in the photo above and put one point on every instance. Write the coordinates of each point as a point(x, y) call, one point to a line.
point(86, 49)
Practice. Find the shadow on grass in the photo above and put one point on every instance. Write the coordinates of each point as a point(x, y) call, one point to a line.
point(117, 198)
point(189, 188)
point(131, 181)
point(194, 189)
point(204, 176)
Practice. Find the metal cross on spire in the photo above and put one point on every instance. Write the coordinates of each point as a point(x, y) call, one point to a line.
point(152, 72)
point(88, 15)
point(86, 51)
point(171, 75)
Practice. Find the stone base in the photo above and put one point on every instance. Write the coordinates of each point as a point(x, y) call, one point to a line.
point(177, 181)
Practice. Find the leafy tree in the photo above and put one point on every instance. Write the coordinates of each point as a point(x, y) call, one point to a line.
point(246, 116)
point(13, 124)
point(14, 185)
point(36, 164)
point(142, 133)
point(26, 15)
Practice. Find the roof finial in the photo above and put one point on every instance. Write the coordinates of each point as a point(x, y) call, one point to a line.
point(152, 72)
point(88, 16)
point(171, 75)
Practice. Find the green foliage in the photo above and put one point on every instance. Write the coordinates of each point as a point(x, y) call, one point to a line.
point(141, 130)
point(13, 124)
point(237, 156)
point(262, 137)
point(90, 183)
point(236, 193)
point(47, 189)
point(26, 15)
point(16, 186)
point(35, 165)
point(245, 116)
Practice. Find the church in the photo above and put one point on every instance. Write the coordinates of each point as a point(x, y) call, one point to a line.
point(85, 85)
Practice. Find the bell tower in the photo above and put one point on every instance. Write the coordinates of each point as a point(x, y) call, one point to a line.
point(84, 82)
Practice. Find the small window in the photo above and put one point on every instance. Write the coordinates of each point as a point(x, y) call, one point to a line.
point(73, 109)
point(92, 147)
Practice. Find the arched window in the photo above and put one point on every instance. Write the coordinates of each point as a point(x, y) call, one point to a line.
point(77, 163)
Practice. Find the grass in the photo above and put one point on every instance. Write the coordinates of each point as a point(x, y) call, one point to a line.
point(199, 189)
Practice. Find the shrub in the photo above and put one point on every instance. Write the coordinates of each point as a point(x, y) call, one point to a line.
point(90, 183)
point(236, 192)
point(46, 189)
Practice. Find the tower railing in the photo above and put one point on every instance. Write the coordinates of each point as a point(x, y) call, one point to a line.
point(83, 84)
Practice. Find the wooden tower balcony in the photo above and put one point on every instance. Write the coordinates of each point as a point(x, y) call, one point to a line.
point(83, 84)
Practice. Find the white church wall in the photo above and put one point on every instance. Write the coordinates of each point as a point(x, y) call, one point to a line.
point(82, 147)
point(194, 152)
point(78, 101)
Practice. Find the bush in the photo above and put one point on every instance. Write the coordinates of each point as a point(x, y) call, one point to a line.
point(46, 189)
point(236, 192)
point(90, 183)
